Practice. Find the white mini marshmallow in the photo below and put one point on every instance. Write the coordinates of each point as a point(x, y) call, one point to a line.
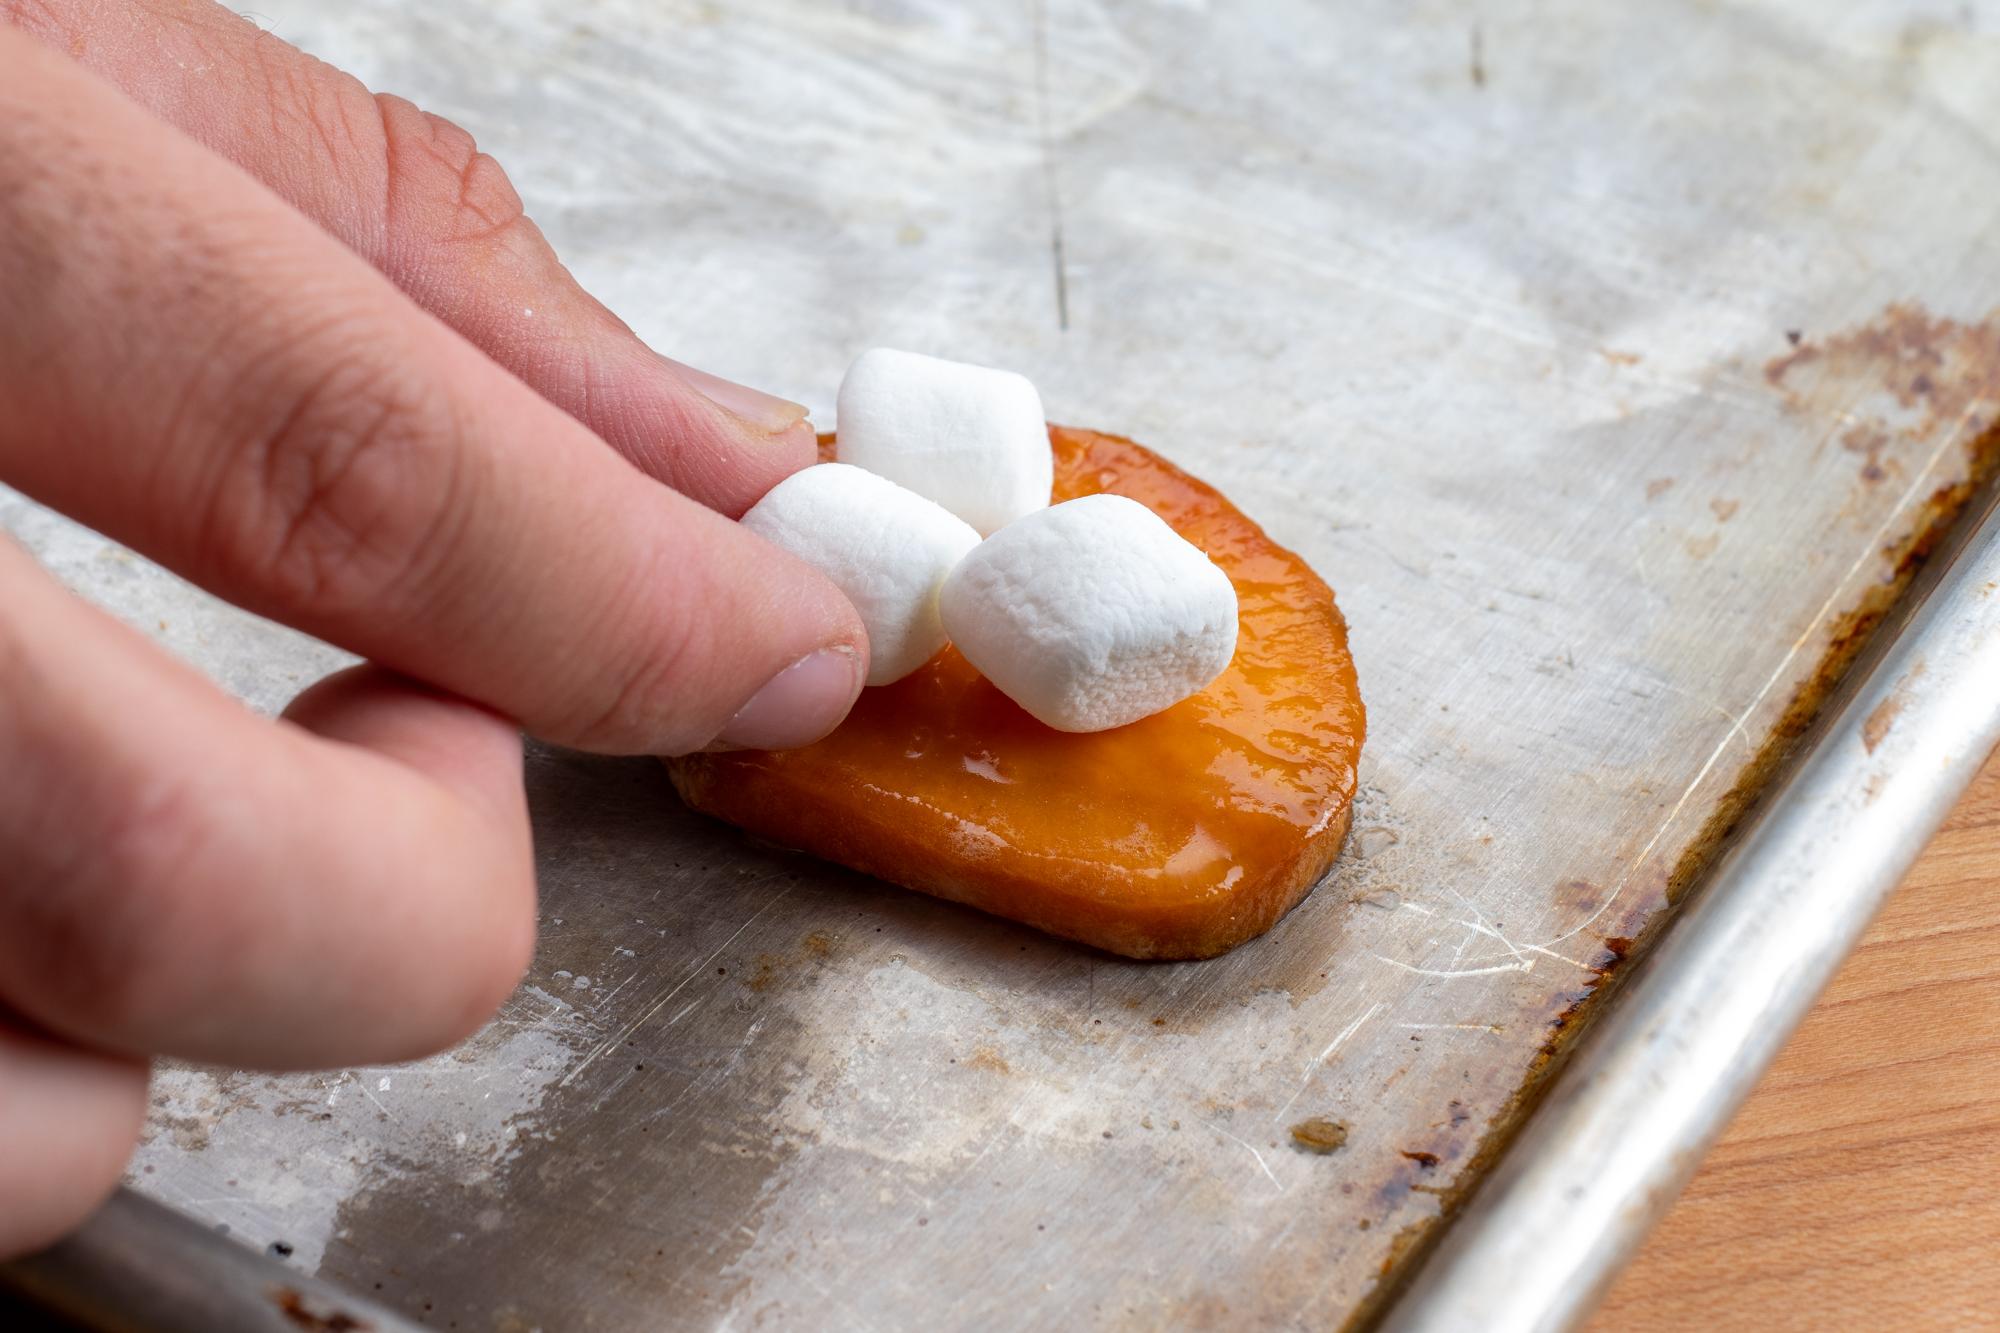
point(970, 438)
point(1092, 613)
point(887, 548)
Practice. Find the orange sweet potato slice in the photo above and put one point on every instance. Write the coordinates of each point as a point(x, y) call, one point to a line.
point(1179, 836)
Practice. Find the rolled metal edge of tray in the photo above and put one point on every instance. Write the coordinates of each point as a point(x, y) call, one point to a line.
point(136, 1264)
point(1705, 1013)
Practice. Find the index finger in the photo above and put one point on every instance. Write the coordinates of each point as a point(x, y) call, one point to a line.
point(195, 369)
point(410, 193)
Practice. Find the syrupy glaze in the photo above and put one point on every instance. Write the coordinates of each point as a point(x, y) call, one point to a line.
point(1178, 836)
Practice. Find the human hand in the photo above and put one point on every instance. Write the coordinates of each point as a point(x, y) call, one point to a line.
point(188, 363)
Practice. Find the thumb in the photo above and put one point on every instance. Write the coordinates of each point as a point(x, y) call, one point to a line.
point(412, 194)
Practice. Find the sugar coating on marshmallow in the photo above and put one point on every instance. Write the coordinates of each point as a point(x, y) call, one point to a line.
point(970, 438)
point(1092, 613)
point(887, 548)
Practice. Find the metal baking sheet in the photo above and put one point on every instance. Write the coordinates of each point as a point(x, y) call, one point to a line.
point(1610, 362)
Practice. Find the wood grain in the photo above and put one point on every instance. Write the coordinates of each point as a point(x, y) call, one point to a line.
point(1857, 1187)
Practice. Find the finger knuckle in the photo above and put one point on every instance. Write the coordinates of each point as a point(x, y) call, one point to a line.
point(442, 188)
point(339, 504)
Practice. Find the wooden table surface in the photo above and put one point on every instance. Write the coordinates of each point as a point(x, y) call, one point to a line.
point(1859, 1188)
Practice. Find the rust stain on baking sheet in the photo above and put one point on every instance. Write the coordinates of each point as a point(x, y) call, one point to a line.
point(1564, 1020)
point(1943, 375)
point(1870, 440)
point(1943, 379)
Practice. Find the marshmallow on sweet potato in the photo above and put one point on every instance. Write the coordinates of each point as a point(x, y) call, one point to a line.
point(887, 548)
point(970, 438)
point(1091, 614)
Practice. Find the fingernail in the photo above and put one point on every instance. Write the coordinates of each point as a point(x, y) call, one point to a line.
point(798, 705)
point(766, 412)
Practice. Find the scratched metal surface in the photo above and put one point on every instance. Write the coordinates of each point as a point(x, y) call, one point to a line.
point(1484, 308)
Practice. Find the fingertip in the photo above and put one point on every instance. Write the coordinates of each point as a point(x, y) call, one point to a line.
point(762, 413)
point(800, 704)
point(483, 971)
point(705, 437)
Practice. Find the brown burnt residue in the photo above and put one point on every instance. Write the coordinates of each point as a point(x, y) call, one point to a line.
point(1580, 896)
point(1912, 353)
point(1418, 1172)
point(315, 1316)
point(1563, 1025)
point(1942, 376)
point(1319, 1135)
point(1846, 636)
point(1567, 1008)
point(1871, 440)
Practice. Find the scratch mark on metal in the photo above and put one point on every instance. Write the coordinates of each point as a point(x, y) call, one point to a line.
point(615, 989)
point(832, 1298)
point(1920, 484)
point(1736, 720)
point(1577, 963)
point(1041, 27)
point(1249, 1148)
point(662, 1002)
point(1312, 1070)
point(1526, 965)
point(1485, 927)
point(1519, 952)
point(1493, 1028)
point(363, 1086)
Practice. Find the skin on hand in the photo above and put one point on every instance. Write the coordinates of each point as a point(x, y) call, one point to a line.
point(410, 193)
point(315, 427)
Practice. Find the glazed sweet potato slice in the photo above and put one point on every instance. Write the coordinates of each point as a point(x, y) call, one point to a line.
point(1179, 836)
